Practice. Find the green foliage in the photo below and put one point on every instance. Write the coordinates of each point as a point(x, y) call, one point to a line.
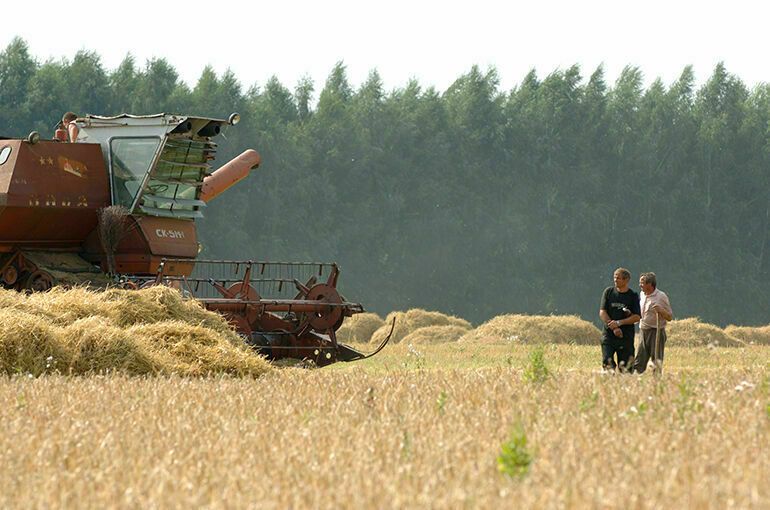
point(589, 402)
point(406, 446)
point(536, 370)
point(685, 400)
point(441, 402)
point(516, 455)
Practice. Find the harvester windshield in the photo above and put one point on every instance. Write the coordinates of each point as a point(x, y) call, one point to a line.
point(157, 163)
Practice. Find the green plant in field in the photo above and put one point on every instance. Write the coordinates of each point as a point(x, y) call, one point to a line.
point(536, 371)
point(767, 410)
point(406, 446)
point(306, 416)
point(414, 359)
point(516, 456)
point(685, 401)
point(637, 410)
point(589, 402)
point(441, 402)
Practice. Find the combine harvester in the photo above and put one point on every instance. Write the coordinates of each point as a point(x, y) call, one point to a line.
point(123, 201)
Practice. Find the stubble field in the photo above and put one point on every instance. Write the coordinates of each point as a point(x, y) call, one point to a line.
point(426, 426)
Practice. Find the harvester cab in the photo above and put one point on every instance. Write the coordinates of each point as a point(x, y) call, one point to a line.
point(158, 163)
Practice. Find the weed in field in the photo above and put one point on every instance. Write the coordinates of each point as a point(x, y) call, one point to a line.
point(414, 359)
point(406, 446)
point(686, 401)
point(441, 402)
point(516, 456)
point(589, 402)
point(369, 398)
point(637, 410)
point(536, 371)
point(306, 416)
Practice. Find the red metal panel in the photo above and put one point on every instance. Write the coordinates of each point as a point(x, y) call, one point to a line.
point(50, 193)
point(169, 237)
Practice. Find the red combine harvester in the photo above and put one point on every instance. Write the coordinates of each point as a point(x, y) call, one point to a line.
point(119, 206)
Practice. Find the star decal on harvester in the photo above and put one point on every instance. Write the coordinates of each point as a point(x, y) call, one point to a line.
point(50, 161)
point(42, 161)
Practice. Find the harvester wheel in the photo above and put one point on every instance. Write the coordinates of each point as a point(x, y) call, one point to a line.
point(248, 293)
point(39, 281)
point(10, 275)
point(330, 317)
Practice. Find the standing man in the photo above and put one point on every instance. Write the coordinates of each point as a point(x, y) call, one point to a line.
point(656, 312)
point(619, 310)
point(68, 119)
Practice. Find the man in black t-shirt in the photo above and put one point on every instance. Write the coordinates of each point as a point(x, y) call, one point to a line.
point(619, 310)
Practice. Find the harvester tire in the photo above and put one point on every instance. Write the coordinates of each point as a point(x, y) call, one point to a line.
point(39, 281)
point(10, 275)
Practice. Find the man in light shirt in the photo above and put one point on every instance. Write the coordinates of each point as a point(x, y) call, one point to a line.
point(656, 312)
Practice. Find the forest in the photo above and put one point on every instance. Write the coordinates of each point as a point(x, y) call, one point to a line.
point(473, 201)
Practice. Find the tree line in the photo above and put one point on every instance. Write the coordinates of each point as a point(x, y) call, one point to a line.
point(473, 201)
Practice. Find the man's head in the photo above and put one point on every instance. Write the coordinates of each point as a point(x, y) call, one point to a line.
point(648, 282)
point(620, 277)
point(68, 117)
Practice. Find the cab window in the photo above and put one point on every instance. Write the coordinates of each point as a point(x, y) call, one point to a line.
point(131, 159)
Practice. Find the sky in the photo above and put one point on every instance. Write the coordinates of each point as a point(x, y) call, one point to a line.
point(434, 42)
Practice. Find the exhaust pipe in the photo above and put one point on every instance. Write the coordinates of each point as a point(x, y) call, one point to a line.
point(230, 173)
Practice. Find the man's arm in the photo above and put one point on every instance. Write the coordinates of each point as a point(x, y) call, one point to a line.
point(604, 316)
point(73, 130)
point(614, 326)
point(632, 319)
point(663, 308)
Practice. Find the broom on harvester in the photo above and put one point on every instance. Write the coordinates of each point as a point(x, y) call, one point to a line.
point(112, 228)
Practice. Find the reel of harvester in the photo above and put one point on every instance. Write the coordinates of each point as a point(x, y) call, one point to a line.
point(282, 309)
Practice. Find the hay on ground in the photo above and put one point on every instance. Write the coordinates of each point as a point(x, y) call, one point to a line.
point(412, 320)
point(435, 335)
point(359, 328)
point(756, 336)
point(150, 331)
point(534, 329)
point(692, 332)
point(27, 344)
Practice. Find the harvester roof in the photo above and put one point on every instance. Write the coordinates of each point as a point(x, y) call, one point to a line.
point(157, 162)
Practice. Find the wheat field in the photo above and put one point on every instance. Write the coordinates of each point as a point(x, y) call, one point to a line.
point(415, 427)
